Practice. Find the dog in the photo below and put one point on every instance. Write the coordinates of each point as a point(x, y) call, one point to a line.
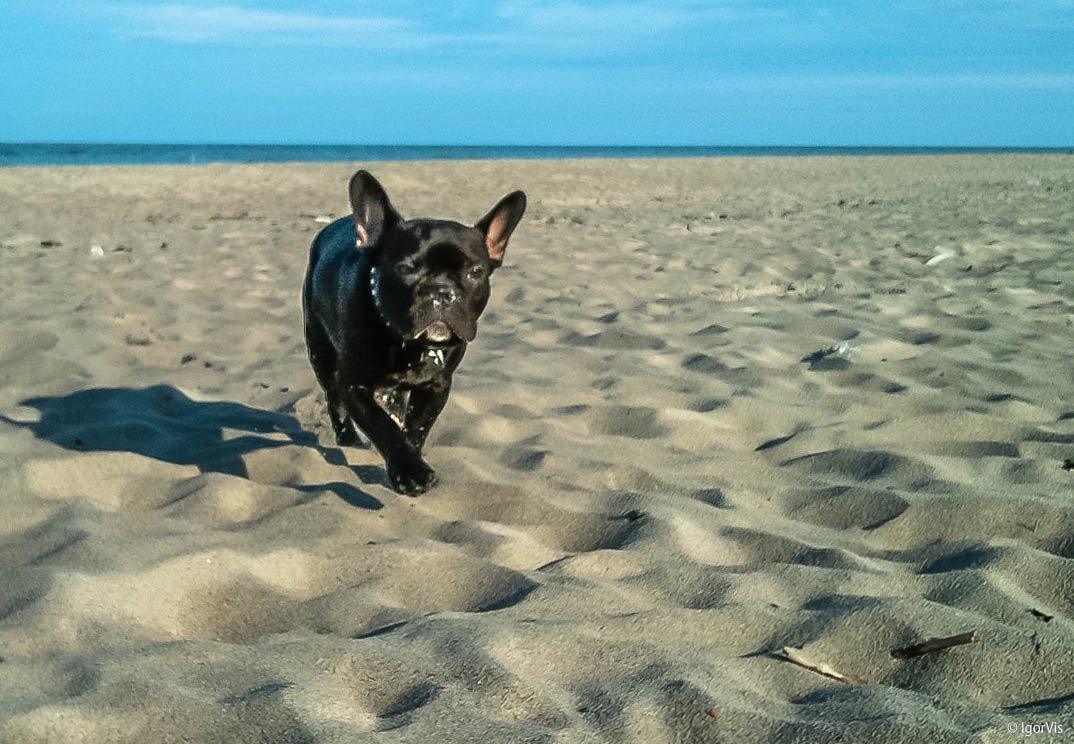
point(389, 307)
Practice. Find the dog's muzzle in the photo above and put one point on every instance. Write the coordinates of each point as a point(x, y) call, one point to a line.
point(438, 332)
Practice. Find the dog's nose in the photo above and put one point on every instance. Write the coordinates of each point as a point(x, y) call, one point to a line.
point(444, 295)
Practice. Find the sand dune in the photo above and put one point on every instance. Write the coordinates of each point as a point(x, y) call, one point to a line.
point(715, 408)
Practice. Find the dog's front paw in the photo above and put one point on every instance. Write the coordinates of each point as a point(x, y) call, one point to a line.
point(413, 478)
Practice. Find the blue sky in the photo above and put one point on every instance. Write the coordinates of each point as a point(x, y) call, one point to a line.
point(670, 72)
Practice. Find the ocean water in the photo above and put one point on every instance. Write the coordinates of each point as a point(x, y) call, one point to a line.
point(18, 153)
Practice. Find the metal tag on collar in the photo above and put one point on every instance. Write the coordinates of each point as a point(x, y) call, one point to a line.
point(437, 355)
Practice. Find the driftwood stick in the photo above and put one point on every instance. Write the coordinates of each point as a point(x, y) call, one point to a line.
point(933, 645)
point(797, 656)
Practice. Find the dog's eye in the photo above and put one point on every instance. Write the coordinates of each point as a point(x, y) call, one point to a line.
point(475, 273)
point(405, 268)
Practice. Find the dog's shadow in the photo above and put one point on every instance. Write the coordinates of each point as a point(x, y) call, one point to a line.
point(163, 423)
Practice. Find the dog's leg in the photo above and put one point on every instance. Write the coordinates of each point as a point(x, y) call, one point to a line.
point(323, 360)
point(423, 408)
point(407, 472)
point(346, 434)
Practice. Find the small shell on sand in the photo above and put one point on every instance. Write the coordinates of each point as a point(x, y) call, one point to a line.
point(940, 258)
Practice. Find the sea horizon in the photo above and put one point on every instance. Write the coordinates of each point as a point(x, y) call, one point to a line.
point(60, 153)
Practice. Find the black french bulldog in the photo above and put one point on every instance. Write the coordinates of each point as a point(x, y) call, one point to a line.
point(389, 306)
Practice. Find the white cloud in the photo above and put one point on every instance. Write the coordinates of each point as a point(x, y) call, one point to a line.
point(827, 82)
point(561, 27)
point(623, 17)
point(569, 27)
point(573, 17)
point(192, 23)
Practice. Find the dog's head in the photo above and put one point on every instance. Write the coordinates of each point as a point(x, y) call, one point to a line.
point(429, 278)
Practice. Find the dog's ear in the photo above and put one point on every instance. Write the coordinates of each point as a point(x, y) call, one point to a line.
point(373, 213)
point(498, 225)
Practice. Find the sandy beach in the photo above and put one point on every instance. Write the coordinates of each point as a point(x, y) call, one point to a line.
point(717, 408)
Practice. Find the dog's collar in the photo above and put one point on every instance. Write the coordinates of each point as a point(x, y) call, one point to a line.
point(374, 289)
